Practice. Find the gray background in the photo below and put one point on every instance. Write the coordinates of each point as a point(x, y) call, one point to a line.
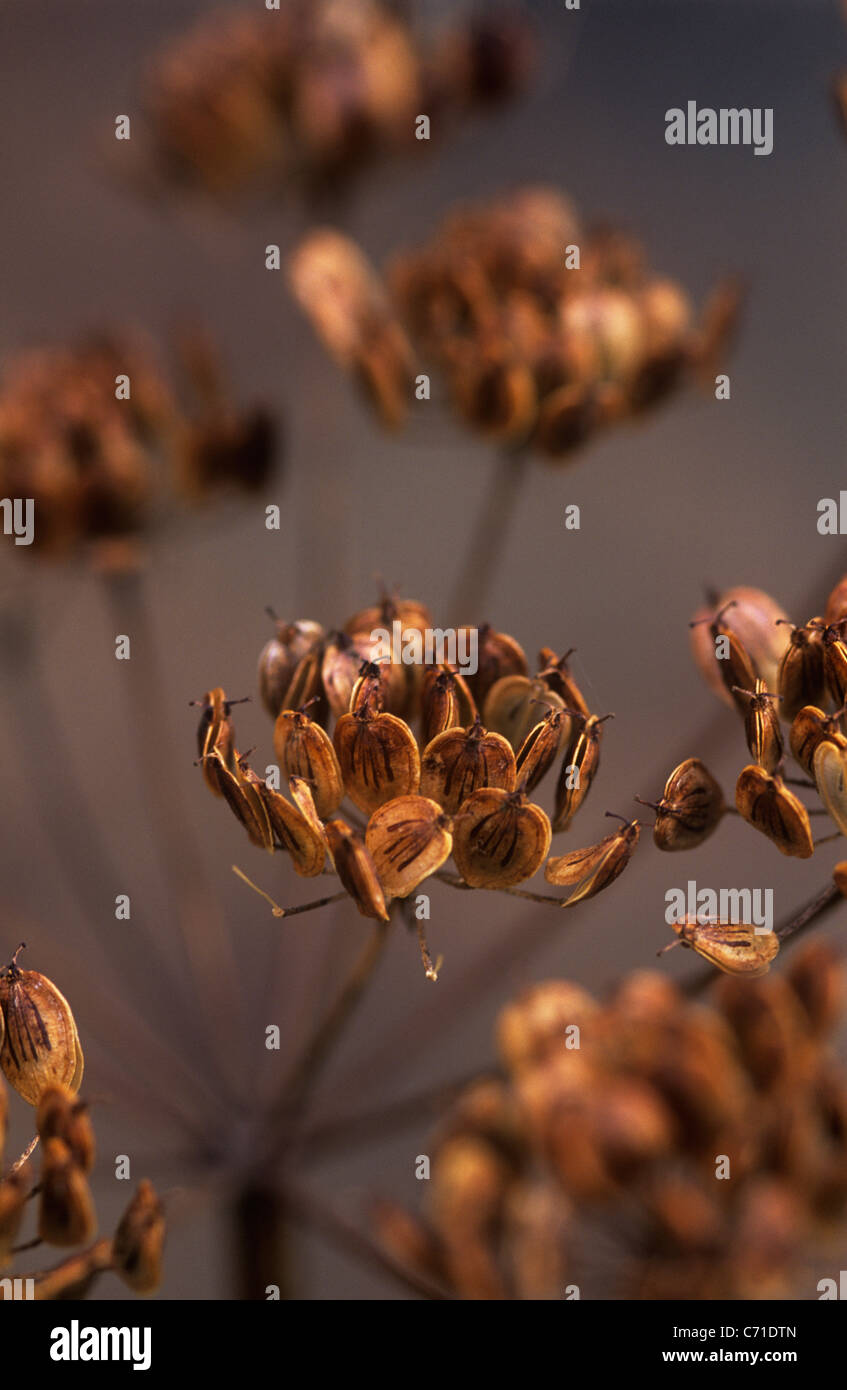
point(701, 493)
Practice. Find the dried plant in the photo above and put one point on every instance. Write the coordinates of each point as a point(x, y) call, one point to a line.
point(41, 1058)
point(97, 438)
point(307, 97)
point(545, 332)
point(588, 1167)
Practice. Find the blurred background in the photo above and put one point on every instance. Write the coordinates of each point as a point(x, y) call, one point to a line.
point(700, 493)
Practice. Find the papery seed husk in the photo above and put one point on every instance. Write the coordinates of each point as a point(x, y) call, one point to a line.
point(691, 807)
point(499, 838)
point(810, 728)
point(342, 664)
point(498, 655)
point(768, 805)
point(370, 692)
point(408, 839)
point(761, 725)
point(835, 664)
point(735, 948)
point(280, 658)
point(582, 753)
point(800, 680)
point(751, 616)
point(593, 869)
point(244, 802)
point(556, 675)
point(496, 394)
point(512, 707)
point(356, 870)
point(304, 750)
point(378, 757)
point(65, 1209)
point(460, 761)
point(61, 1115)
point(531, 1027)
point(215, 734)
point(302, 837)
point(41, 1046)
point(830, 773)
point(540, 748)
point(139, 1241)
point(253, 789)
point(446, 702)
point(306, 687)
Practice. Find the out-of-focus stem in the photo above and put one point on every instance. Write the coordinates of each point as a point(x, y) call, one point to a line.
point(485, 549)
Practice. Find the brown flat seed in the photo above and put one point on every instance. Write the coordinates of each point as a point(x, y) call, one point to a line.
point(579, 767)
point(734, 947)
point(459, 761)
point(304, 750)
point(408, 839)
point(243, 800)
point(691, 807)
point(761, 726)
point(41, 1046)
point(800, 680)
point(61, 1115)
point(302, 836)
point(139, 1241)
point(767, 804)
point(593, 869)
point(512, 707)
point(830, 772)
point(342, 664)
point(307, 688)
point(446, 702)
point(540, 748)
point(555, 673)
point(378, 758)
point(356, 870)
point(65, 1209)
point(498, 655)
point(499, 838)
point(280, 658)
point(835, 662)
point(810, 728)
point(215, 734)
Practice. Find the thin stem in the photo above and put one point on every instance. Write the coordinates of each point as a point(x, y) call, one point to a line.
point(258, 1220)
point(27, 1245)
point(343, 1232)
point(485, 549)
point(296, 1090)
point(513, 892)
point(278, 911)
point(25, 1156)
point(361, 1127)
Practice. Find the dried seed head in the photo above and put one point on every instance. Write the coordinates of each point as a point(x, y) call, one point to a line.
point(556, 675)
point(753, 619)
point(297, 828)
point(511, 708)
point(541, 747)
point(691, 807)
point(835, 661)
point(408, 839)
point(495, 393)
point(579, 767)
point(14, 1191)
point(62, 1115)
point(460, 761)
point(139, 1241)
point(761, 726)
point(499, 838)
point(378, 758)
point(591, 870)
point(304, 750)
point(800, 680)
point(215, 735)
point(767, 804)
point(810, 728)
point(734, 948)
point(533, 1027)
point(498, 655)
point(280, 658)
point(41, 1046)
point(356, 870)
point(829, 768)
point(65, 1209)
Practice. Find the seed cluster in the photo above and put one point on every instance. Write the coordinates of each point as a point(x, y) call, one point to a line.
point(461, 787)
point(533, 352)
point(95, 462)
point(41, 1057)
point(609, 1128)
point(317, 91)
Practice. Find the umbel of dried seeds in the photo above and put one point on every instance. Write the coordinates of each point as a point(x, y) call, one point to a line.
point(542, 331)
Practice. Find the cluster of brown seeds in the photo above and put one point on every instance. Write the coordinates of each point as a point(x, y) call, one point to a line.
point(319, 89)
point(461, 787)
point(534, 353)
point(41, 1057)
point(703, 1149)
point(95, 460)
